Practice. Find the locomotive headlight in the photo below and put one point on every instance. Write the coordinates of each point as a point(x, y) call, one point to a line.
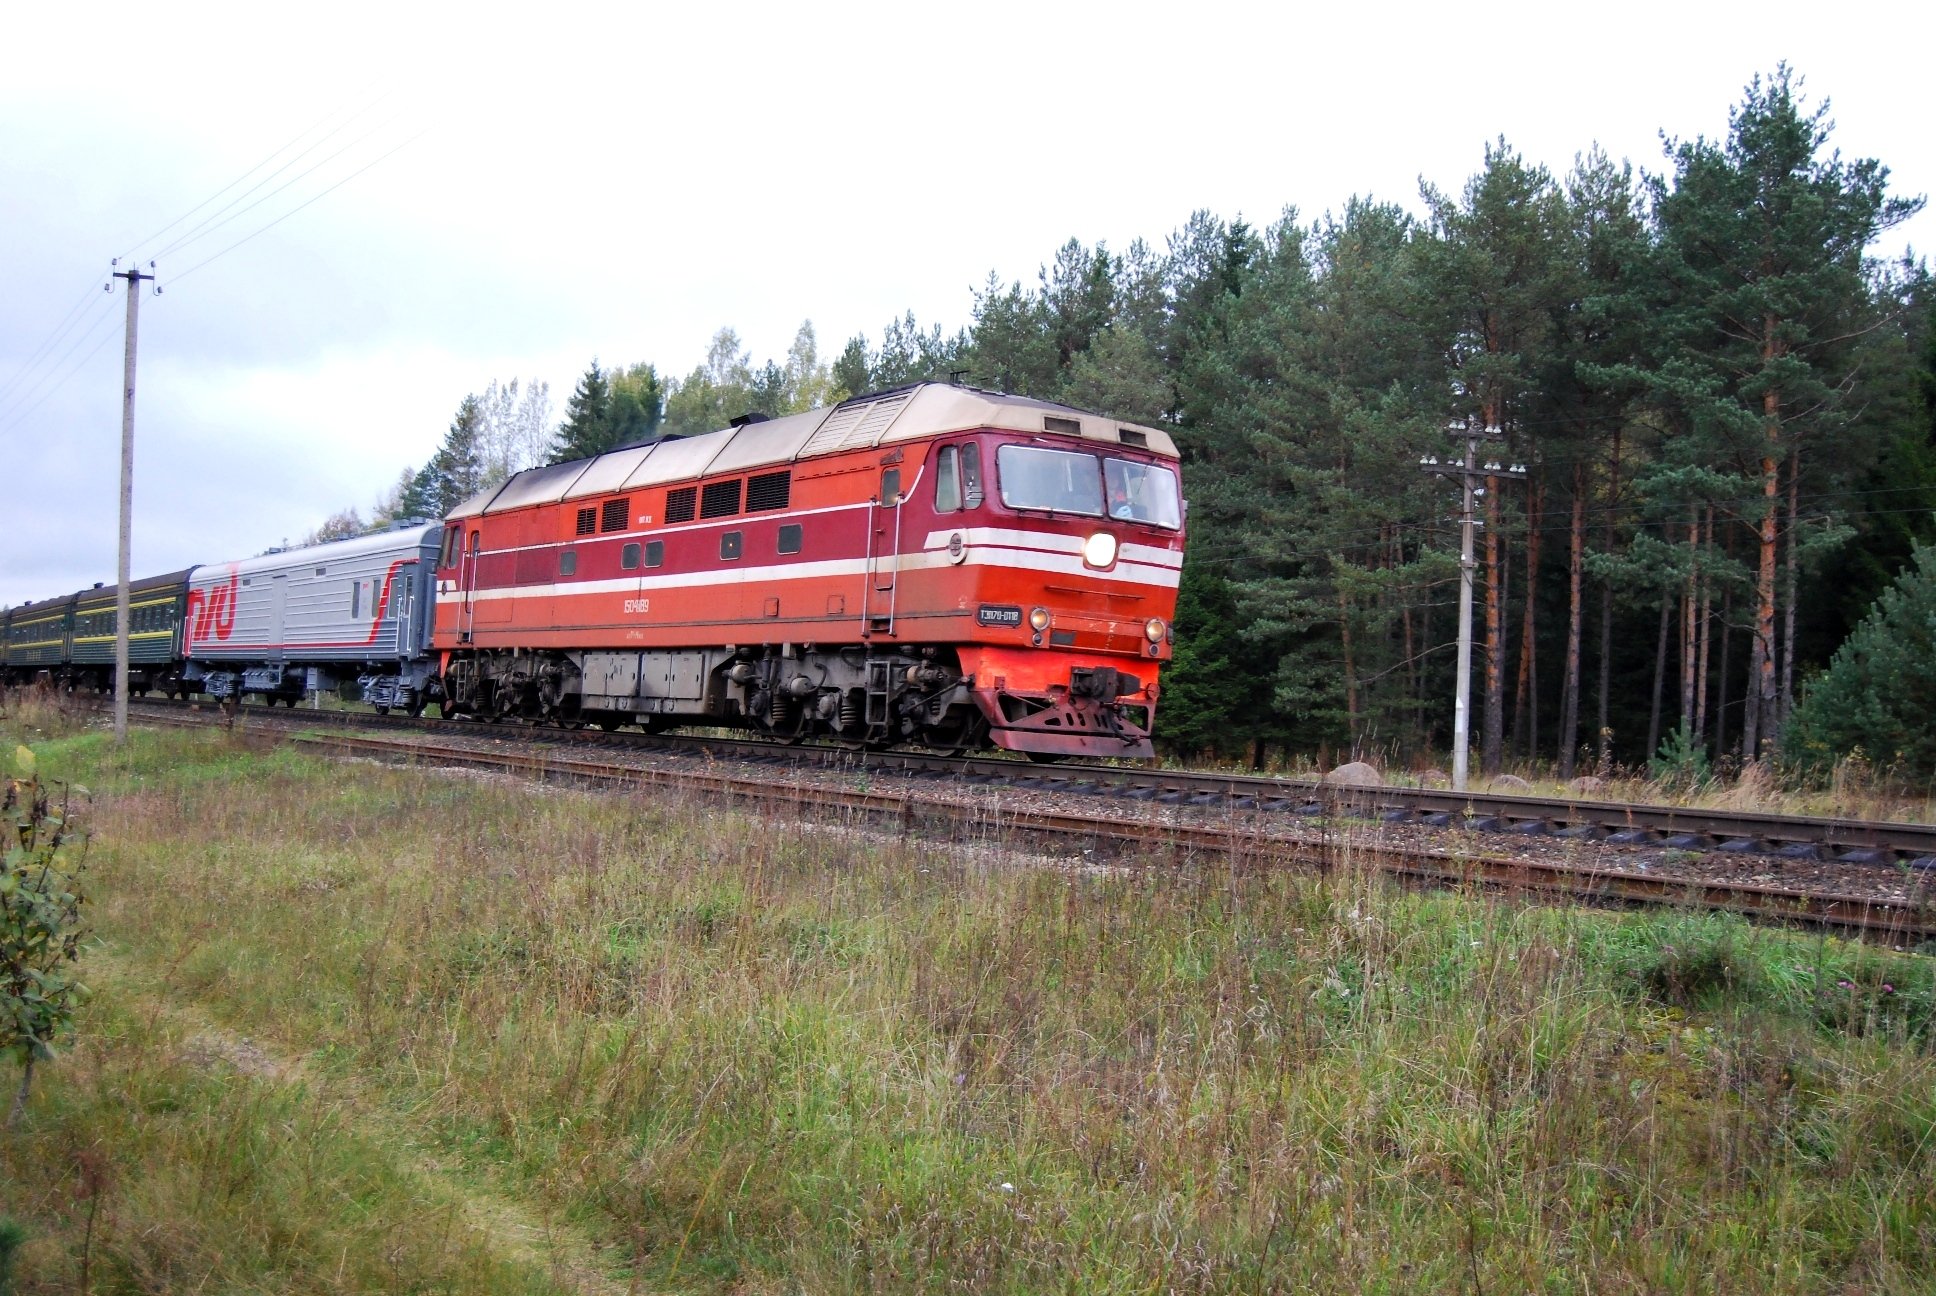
point(1038, 619)
point(1099, 550)
point(1155, 629)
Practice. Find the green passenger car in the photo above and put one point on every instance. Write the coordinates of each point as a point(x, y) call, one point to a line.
point(37, 638)
point(155, 607)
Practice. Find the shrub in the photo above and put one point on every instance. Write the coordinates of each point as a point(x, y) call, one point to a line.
point(40, 927)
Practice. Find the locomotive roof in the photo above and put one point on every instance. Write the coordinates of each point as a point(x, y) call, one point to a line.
point(865, 422)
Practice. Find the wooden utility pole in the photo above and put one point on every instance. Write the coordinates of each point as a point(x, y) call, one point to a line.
point(1469, 473)
point(134, 277)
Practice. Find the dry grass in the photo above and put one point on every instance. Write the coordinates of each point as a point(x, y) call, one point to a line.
point(702, 1051)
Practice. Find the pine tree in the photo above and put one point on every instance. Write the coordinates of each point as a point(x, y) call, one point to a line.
point(1880, 690)
point(1763, 239)
point(587, 429)
point(851, 374)
point(456, 472)
point(637, 408)
point(1498, 276)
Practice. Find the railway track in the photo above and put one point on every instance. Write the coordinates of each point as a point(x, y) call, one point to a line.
point(1596, 852)
point(1787, 837)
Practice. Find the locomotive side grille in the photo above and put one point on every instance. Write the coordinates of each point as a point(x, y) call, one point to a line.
point(719, 499)
point(587, 520)
point(881, 413)
point(681, 504)
point(615, 515)
point(768, 491)
point(856, 426)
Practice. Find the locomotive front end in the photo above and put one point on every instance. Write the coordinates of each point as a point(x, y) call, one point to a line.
point(1077, 558)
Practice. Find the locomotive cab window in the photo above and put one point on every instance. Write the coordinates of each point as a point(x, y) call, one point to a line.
point(947, 480)
point(1059, 481)
point(957, 478)
point(730, 544)
point(790, 535)
point(890, 488)
point(655, 553)
point(1142, 492)
point(568, 562)
point(449, 555)
point(628, 558)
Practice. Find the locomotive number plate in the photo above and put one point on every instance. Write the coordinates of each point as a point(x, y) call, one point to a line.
point(990, 614)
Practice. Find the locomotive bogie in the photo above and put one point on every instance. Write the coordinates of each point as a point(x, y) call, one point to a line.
point(852, 693)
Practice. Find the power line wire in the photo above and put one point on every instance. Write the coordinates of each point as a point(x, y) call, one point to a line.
point(210, 225)
point(293, 210)
point(61, 330)
point(19, 415)
point(314, 145)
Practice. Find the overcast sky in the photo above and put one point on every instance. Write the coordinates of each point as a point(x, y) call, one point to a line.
point(498, 193)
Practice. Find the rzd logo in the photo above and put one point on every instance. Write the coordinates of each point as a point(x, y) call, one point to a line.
point(213, 609)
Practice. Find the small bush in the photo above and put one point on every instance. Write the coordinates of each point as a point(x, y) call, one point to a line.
point(40, 923)
point(1681, 765)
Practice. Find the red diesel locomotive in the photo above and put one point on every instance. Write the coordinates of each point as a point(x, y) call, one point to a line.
point(933, 564)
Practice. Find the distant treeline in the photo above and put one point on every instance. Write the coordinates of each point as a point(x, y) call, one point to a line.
point(1726, 407)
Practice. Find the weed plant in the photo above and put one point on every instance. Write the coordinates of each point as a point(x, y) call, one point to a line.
point(387, 1029)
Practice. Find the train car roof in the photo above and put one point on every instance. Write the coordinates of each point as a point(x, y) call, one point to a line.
point(145, 585)
point(400, 539)
point(866, 422)
point(43, 605)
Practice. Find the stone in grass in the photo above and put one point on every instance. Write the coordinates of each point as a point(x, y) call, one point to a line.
point(1509, 783)
point(1435, 779)
point(1355, 774)
point(1588, 784)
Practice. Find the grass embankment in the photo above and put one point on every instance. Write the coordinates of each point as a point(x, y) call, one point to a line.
point(367, 1029)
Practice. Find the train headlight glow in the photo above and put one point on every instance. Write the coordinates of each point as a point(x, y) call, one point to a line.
point(1038, 619)
point(1155, 629)
point(1099, 550)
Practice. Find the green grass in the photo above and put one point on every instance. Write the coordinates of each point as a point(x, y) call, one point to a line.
point(369, 1029)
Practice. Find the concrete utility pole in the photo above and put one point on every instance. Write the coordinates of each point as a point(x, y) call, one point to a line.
point(1469, 473)
point(134, 277)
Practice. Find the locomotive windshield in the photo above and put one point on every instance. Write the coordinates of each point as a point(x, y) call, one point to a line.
point(1064, 481)
point(1142, 492)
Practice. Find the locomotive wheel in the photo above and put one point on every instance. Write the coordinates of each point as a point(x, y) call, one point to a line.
point(381, 710)
point(953, 740)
